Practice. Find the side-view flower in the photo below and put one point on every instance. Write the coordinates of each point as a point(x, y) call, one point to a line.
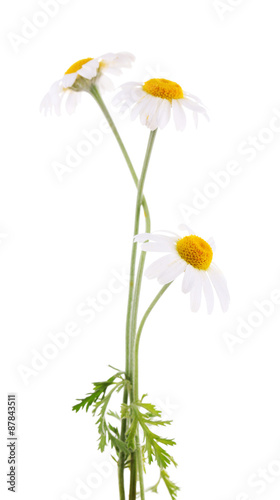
point(131, 431)
point(191, 256)
point(154, 100)
point(80, 76)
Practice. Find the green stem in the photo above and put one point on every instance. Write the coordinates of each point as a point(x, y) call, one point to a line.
point(121, 483)
point(135, 304)
point(95, 93)
point(133, 308)
point(136, 384)
point(140, 465)
point(138, 336)
point(133, 477)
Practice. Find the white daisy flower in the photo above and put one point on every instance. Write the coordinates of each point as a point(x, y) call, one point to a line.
point(191, 256)
point(154, 100)
point(80, 76)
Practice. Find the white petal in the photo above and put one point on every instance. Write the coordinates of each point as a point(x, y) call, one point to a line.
point(53, 99)
point(162, 246)
point(178, 115)
point(189, 279)
point(107, 58)
point(118, 60)
point(69, 79)
point(188, 95)
point(152, 120)
point(164, 112)
point(139, 107)
point(219, 283)
point(177, 237)
point(148, 112)
point(56, 88)
point(104, 83)
point(56, 104)
point(136, 93)
point(111, 70)
point(130, 93)
point(193, 106)
point(159, 266)
point(72, 102)
point(154, 237)
point(212, 243)
point(119, 98)
point(196, 292)
point(125, 59)
point(172, 271)
point(129, 85)
point(208, 292)
point(124, 109)
point(46, 105)
point(89, 69)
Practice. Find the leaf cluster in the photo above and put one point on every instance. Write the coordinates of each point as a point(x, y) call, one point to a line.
point(99, 400)
point(147, 416)
point(138, 415)
point(172, 488)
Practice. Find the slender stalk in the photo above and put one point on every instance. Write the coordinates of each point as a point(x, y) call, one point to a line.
point(136, 383)
point(138, 283)
point(133, 477)
point(138, 336)
point(121, 483)
point(136, 456)
point(95, 93)
point(139, 458)
point(136, 231)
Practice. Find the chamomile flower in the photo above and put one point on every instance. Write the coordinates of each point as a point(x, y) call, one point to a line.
point(154, 100)
point(191, 256)
point(80, 77)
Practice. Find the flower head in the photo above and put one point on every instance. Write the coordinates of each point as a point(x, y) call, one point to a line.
point(80, 76)
point(154, 100)
point(189, 255)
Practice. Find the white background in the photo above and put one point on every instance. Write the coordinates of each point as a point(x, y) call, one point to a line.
point(63, 240)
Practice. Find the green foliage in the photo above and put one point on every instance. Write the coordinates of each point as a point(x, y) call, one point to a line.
point(147, 416)
point(100, 389)
point(154, 488)
point(152, 442)
point(99, 400)
point(172, 488)
point(130, 436)
point(144, 415)
point(114, 414)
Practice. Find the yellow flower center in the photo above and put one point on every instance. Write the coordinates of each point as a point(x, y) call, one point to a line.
point(77, 65)
point(159, 87)
point(195, 251)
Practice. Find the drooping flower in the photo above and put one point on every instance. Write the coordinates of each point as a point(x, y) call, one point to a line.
point(189, 255)
point(154, 100)
point(80, 76)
